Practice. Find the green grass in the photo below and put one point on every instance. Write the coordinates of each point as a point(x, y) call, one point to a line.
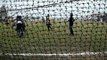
point(89, 36)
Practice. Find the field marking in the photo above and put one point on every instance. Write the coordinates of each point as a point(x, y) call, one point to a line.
point(54, 54)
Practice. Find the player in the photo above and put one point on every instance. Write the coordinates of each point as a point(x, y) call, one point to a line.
point(48, 23)
point(20, 25)
point(71, 21)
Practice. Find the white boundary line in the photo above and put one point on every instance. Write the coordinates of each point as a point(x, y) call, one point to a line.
point(55, 54)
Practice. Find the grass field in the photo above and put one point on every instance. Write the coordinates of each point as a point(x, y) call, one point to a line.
point(90, 36)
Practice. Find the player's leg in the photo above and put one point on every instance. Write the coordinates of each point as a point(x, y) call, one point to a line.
point(71, 31)
point(50, 27)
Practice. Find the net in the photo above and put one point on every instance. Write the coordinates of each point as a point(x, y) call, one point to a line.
point(51, 40)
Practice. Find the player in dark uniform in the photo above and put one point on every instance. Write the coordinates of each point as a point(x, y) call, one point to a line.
point(20, 25)
point(71, 21)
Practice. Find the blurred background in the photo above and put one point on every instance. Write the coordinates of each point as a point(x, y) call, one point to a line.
point(58, 9)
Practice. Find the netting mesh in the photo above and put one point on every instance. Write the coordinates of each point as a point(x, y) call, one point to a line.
point(89, 41)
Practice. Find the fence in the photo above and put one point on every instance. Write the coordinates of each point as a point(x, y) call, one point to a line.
point(88, 43)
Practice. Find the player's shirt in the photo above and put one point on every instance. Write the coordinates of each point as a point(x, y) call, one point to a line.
point(48, 20)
